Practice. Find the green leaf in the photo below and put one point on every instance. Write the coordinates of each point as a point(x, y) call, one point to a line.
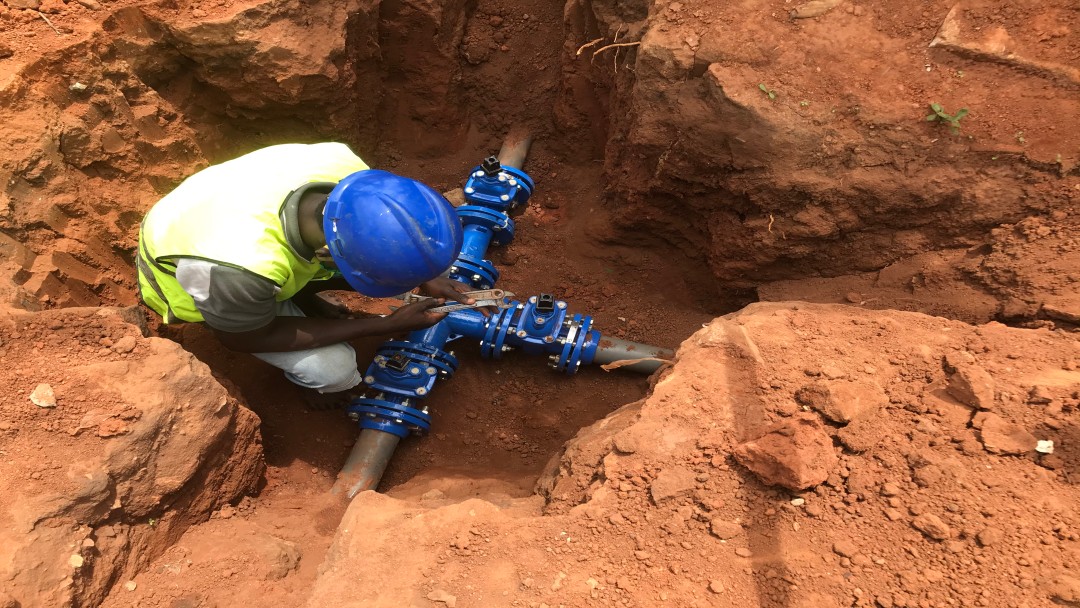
point(962, 112)
point(772, 94)
point(932, 118)
point(763, 87)
point(936, 107)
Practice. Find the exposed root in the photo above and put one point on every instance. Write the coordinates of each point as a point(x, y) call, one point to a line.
point(613, 46)
point(587, 45)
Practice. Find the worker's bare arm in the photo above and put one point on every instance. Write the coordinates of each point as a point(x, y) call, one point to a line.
point(301, 333)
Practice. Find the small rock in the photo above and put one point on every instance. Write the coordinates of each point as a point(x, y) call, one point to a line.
point(890, 489)
point(1001, 437)
point(625, 443)
point(844, 548)
point(642, 555)
point(932, 526)
point(6, 50)
point(439, 595)
point(972, 386)
point(798, 502)
point(130, 585)
point(495, 21)
point(1064, 589)
point(125, 345)
point(672, 483)
point(989, 536)
point(853, 297)
point(26, 4)
point(75, 560)
point(724, 530)
point(795, 454)
point(842, 401)
point(43, 396)
point(743, 552)
point(1038, 395)
point(716, 586)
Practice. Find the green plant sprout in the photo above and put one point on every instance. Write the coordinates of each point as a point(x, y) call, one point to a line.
point(941, 115)
point(768, 92)
point(804, 103)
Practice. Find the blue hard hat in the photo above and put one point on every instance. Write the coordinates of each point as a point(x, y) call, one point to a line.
point(388, 234)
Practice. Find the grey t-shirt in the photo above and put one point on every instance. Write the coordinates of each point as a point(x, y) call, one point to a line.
point(230, 299)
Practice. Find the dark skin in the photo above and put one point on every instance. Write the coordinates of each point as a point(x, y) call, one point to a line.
point(301, 333)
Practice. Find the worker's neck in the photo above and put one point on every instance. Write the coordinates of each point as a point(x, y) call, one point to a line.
point(309, 219)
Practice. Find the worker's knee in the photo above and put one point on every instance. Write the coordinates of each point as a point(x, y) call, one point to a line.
point(328, 369)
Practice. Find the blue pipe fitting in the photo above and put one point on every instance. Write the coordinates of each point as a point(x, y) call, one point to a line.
point(540, 325)
point(496, 187)
point(381, 414)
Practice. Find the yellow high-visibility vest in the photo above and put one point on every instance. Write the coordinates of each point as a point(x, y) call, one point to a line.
point(229, 214)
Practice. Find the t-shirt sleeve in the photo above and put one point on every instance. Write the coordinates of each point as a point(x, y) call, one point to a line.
point(228, 298)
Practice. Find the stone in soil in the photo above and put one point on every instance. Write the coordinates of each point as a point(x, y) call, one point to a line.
point(842, 401)
point(999, 436)
point(796, 454)
point(672, 483)
point(972, 386)
point(724, 530)
point(932, 526)
point(43, 396)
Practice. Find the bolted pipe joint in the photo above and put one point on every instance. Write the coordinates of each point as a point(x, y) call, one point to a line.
point(497, 187)
point(540, 325)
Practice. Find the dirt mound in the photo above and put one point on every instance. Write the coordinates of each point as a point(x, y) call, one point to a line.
point(113, 444)
point(649, 505)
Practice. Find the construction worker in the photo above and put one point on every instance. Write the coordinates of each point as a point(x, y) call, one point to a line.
point(234, 245)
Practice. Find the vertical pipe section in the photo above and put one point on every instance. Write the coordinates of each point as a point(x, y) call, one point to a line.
point(613, 349)
point(515, 148)
point(475, 241)
point(366, 463)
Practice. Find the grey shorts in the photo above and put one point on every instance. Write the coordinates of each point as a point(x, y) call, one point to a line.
point(327, 369)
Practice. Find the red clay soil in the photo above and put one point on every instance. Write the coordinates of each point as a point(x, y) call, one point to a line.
point(670, 189)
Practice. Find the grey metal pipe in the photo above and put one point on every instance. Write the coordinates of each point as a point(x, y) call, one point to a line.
point(613, 349)
point(366, 463)
point(515, 148)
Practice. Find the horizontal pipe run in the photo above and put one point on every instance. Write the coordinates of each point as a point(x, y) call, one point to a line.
point(514, 149)
point(613, 349)
point(366, 463)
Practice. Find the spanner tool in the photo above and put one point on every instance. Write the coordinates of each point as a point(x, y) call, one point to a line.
point(485, 298)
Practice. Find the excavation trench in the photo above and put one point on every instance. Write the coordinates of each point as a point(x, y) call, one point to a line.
point(651, 214)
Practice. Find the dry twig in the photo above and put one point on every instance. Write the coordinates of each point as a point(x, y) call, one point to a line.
point(42, 15)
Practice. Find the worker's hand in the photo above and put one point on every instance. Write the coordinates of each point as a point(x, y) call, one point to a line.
point(415, 316)
point(445, 287)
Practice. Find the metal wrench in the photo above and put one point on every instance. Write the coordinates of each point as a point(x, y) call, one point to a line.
point(485, 298)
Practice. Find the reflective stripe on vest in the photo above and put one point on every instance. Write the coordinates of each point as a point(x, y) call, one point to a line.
point(229, 214)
